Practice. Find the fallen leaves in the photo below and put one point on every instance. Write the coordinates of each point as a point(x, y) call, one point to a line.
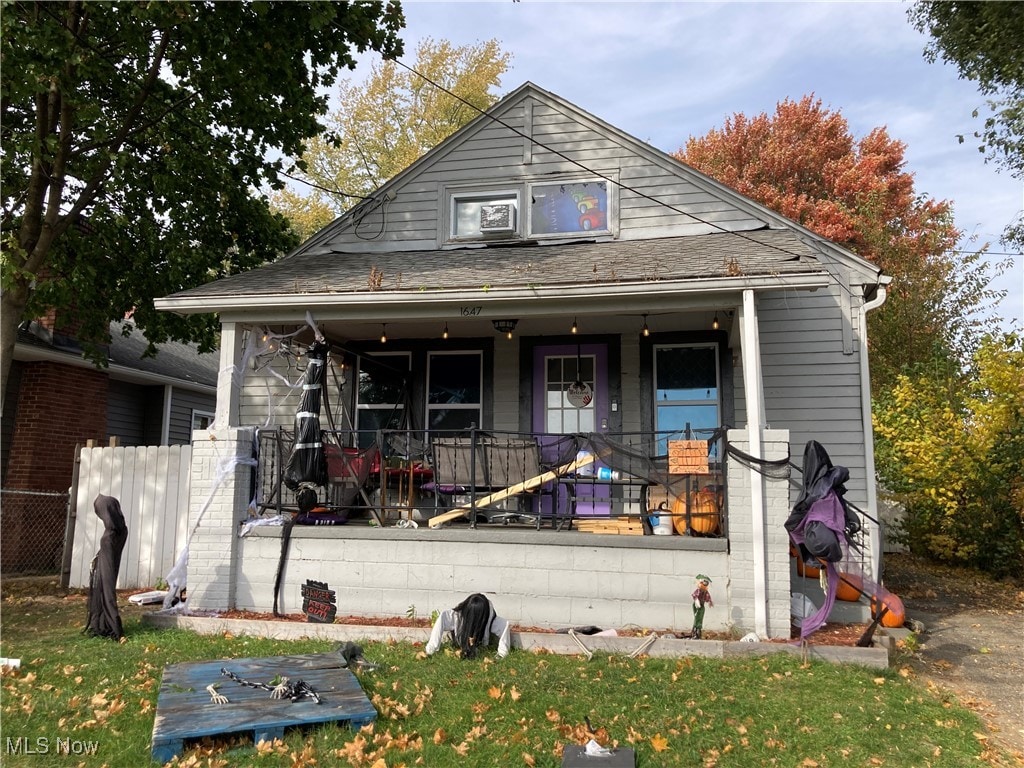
point(659, 743)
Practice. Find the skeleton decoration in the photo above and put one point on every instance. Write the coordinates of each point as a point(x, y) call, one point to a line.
point(285, 689)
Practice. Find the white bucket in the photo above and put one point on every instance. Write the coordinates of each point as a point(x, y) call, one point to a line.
point(661, 521)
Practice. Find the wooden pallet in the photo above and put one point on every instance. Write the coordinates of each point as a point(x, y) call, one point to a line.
point(621, 526)
point(184, 709)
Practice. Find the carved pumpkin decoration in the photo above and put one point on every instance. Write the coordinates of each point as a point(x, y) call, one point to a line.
point(705, 513)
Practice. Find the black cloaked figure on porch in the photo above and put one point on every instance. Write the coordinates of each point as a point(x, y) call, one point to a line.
point(104, 618)
point(308, 462)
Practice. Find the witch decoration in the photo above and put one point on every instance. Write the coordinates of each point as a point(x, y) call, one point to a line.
point(701, 598)
point(104, 618)
point(822, 525)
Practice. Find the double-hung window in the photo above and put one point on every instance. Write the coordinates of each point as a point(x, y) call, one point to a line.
point(454, 390)
point(382, 392)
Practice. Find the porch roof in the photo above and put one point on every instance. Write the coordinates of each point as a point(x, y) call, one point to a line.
point(768, 257)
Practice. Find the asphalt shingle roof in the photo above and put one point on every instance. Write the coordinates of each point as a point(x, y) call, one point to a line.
point(758, 253)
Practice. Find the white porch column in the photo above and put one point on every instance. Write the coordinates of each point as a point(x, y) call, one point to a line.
point(229, 377)
point(755, 594)
point(219, 499)
point(753, 389)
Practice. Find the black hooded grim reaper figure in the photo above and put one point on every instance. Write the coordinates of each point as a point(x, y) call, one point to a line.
point(104, 617)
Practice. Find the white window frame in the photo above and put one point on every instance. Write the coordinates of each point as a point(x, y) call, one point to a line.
point(197, 413)
point(362, 407)
point(504, 194)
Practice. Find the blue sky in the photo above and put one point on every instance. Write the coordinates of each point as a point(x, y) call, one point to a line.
point(670, 70)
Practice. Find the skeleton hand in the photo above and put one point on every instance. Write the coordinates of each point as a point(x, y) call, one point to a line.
point(216, 698)
point(282, 690)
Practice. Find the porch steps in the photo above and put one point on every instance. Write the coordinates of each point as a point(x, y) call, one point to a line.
point(843, 611)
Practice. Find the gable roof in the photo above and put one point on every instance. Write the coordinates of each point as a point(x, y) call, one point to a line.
point(756, 250)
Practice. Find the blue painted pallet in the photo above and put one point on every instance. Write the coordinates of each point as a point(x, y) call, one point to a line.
point(184, 709)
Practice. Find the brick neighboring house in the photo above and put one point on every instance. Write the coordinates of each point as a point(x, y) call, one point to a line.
point(56, 399)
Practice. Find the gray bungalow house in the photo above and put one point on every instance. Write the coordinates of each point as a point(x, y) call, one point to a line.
point(539, 274)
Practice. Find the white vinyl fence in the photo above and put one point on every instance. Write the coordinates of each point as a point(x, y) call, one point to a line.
point(152, 484)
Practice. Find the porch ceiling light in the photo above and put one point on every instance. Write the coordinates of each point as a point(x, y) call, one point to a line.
point(645, 331)
point(575, 327)
point(505, 326)
point(383, 333)
point(444, 333)
point(714, 323)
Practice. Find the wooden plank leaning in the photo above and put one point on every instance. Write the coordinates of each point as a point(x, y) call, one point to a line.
point(514, 490)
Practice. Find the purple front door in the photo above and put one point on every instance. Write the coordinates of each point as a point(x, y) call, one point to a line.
point(570, 394)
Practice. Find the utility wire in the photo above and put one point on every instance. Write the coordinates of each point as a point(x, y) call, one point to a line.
point(600, 175)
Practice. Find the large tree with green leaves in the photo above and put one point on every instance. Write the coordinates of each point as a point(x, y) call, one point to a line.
point(804, 162)
point(983, 40)
point(388, 121)
point(135, 136)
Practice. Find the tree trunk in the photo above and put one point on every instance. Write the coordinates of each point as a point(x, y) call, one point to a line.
point(12, 307)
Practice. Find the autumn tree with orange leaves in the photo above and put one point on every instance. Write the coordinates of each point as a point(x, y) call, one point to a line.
point(804, 163)
point(947, 408)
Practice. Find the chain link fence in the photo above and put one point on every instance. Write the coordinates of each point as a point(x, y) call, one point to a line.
point(34, 525)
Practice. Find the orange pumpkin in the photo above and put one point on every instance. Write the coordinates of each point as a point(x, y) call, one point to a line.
point(807, 571)
point(849, 587)
point(895, 616)
point(705, 514)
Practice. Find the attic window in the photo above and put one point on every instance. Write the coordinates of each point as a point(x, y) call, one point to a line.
point(570, 208)
point(494, 214)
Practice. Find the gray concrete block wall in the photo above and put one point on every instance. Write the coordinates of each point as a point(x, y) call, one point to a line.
point(548, 585)
point(742, 571)
point(218, 500)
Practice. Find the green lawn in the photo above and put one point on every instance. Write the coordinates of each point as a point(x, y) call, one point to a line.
point(87, 693)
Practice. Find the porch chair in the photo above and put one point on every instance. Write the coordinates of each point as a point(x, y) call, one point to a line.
point(473, 468)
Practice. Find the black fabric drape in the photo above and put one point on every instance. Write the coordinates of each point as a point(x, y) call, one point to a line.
point(104, 618)
point(308, 463)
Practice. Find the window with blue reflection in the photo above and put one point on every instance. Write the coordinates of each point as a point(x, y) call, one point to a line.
point(686, 391)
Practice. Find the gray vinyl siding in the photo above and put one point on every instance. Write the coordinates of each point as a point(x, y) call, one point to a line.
point(653, 199)
point(506, 385)
point(810, 386)
point(183, 402)
point(126, 412)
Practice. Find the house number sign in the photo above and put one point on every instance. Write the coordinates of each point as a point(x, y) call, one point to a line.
point(470, 311)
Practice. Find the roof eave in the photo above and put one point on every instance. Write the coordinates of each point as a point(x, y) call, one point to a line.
point(264, 305)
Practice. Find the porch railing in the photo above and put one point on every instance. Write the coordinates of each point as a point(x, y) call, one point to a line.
point(397, 477)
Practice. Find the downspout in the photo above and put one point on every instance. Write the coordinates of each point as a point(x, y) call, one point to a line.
point(754, 388)
point(165, 426)
point(869, 432)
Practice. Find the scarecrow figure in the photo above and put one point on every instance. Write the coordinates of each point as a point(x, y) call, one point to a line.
point(701, 598)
